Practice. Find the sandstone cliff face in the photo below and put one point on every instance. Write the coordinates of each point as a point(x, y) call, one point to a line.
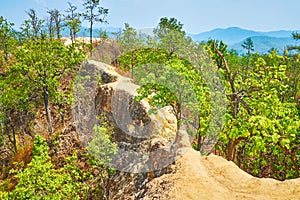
point(114, 95)
point(141, 136)
point(147, 143)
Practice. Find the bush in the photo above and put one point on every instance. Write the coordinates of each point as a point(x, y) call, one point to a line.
point(40, 180)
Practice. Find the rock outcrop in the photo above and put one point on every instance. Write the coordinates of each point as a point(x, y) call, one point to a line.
point(141, 136)
point(147, 143)
point(212, 177)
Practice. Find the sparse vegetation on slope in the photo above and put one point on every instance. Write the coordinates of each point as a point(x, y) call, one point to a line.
point(243, 108)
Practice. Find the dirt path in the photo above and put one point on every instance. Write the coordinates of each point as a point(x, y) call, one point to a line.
point(212, 177)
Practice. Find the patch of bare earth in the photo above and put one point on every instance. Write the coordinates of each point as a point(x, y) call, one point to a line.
point(212, 177)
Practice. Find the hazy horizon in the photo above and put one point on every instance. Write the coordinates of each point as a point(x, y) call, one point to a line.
point(197, 16)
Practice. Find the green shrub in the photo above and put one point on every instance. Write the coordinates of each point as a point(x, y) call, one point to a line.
point(40, 180)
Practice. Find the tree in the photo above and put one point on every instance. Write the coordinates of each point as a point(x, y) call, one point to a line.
point(93, 13)
point(17, 103)
point(16, 94)
point(56, 21)
point(293, 69)
point(103, 35)
point(249, 47)
point(165, 26)
point(169, 80)
point(50, 26)
point(170, 35)
point(129, 40)
point(44, 62)
point(220, 46)
point(169, 71)
point(296, 36)
point(236, 99)
point(33, 26)
point(6, 37)
point(103, 43)
point(258, 128)
point(101, 146)
point(73, 21)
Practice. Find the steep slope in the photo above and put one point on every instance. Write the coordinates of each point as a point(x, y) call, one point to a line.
point(212, 177)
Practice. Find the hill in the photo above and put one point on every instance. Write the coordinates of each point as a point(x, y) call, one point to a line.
point(235, 36)
point(230, 35)
point(262, 44)
point(280, 33)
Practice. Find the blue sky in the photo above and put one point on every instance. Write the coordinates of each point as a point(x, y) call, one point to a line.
point(196, 15)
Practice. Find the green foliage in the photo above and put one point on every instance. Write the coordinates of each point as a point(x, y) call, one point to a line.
point(33, 77)
point(143, 56)
point(101, 147)
point(261, 127)
point(129, 39)
point(261, 132)
point(170, 35)
point(296, 36)
point(222, 47)
point(42, 63)
point(7, 41)
point(248, 45)
point(166, 79)
point(165, 26)
point(40, 180)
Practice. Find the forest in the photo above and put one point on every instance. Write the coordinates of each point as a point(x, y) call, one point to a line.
point(244, 108)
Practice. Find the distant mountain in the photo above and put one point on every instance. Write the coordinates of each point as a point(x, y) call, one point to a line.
point(230, 35)
point(235, 36)
point(263, 44)
point(281, 33)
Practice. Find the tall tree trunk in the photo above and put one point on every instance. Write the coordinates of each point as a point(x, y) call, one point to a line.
point(91, 36)
point(74, 34)
point(230, 150)
point(58, 31)
point(6, 51)
point(48, 113)
point(71, 35)
point(199, 142)
point(14, 139)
